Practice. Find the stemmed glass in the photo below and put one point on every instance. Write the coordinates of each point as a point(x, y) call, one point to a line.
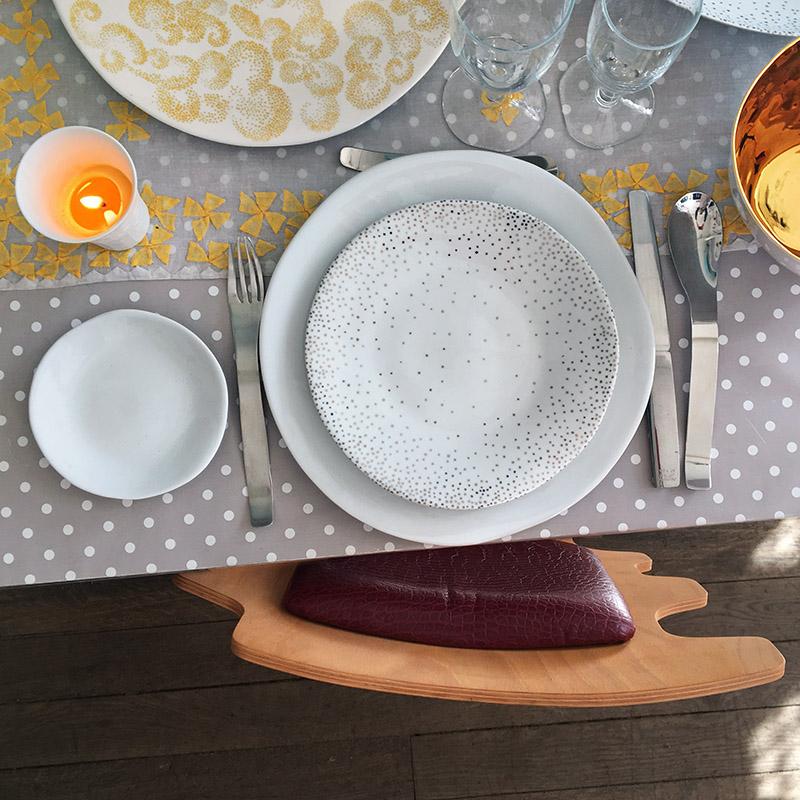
point(606, 96)
point(494, 100)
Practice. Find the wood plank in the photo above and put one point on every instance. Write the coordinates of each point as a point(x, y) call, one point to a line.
point(50, 667)
point(215, 719)
point(291, 712)
point(764, 786)
point(591, 754)
point(766, 608)
point(349, 770)
point(100, 606)
point(713, 553)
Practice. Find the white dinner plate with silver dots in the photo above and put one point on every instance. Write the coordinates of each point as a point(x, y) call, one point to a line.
point(779, 17)
point(461, 353)
point(366, 198)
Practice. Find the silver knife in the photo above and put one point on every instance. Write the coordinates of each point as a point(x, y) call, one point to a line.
point(662, 410)
point(359, 159)
point(694, 231)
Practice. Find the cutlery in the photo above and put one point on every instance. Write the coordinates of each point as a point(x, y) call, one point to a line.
point(662, 410)
point(359, 159)
point(245, 299)
point(695, 241)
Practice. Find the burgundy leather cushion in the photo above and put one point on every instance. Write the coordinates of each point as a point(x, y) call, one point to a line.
point(500, 596)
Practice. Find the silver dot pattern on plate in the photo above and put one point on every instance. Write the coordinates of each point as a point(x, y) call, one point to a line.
point(779, 17)
point(461, 353)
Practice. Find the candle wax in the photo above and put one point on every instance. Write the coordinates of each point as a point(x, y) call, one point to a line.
point(99, 196)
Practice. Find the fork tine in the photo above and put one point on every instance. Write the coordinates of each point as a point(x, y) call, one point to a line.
point(232, 294)
point(240, 273)
point(258, 268)
point(250, 275)
point(249, 272)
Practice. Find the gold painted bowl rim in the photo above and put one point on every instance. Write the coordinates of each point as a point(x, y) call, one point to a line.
point(735, 179)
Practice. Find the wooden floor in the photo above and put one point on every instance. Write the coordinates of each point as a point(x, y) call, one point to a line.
point(126, 689)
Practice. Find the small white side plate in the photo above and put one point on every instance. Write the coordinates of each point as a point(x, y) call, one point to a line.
point(128, 405)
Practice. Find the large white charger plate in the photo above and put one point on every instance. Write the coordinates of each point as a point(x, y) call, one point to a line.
point(461, 352)
point(388, 187)
point(128, 405)
point(259, 73)
point(778, 17)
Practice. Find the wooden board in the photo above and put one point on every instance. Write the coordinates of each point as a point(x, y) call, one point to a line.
point(38, 668)
point(97, 606)
point(360, 769)
point(771, 786)
point(714, 553)
point(379, 768)
point(582, 755)
point(654, 666)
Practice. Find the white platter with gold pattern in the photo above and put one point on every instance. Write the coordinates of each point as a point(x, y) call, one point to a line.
point(259, 72)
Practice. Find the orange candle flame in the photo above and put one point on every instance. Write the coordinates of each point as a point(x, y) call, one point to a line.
point(100, 197)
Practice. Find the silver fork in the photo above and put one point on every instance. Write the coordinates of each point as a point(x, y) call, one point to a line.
point(245, 299)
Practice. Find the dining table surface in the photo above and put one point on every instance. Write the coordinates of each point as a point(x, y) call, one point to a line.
point(201, 194)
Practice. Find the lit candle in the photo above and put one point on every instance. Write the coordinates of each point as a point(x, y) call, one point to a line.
point(78, 184)
point(99, 199)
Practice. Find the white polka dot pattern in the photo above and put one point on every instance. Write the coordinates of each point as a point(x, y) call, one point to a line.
point(756, 444)
point(461, 353)
point(699, 113)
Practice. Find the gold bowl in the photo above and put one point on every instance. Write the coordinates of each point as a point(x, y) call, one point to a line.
point(765, 157)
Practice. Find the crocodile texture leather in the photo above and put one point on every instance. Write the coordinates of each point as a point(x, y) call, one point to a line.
point(517, 595)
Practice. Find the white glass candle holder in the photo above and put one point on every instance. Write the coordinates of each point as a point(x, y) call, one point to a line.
point(46, 180)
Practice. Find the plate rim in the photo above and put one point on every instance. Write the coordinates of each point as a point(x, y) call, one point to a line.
point(214, 368)
point(324, 465)
point(425, 65)
point(549, 230)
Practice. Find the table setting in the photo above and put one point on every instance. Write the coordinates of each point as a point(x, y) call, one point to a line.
point(286, 281)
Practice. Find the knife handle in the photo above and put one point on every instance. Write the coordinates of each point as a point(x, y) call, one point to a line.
point(360, 159)
point(663, 418)
point(702, 399)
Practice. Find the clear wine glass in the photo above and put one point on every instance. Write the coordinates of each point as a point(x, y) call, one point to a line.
point(606, 96)
point(494, 100)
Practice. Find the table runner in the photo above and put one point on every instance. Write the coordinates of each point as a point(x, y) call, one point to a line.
point(201, 193)
point(50, 531)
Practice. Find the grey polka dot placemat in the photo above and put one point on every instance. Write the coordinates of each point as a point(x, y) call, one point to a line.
point(50, 531)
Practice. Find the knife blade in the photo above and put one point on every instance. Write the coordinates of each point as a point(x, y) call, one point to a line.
point(695, 235)
point(359, 159)
point(662, 409)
